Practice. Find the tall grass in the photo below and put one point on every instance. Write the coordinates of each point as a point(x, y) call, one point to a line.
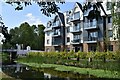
point(65, 58)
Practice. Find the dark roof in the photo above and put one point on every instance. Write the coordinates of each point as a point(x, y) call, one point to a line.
point(99, 4)
point(61, 16)
point(80, 6)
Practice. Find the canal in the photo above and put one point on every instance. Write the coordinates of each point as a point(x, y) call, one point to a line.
point(16, 71)
point(23, 72)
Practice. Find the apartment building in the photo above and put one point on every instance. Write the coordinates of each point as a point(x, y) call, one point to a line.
point(81, 29)
point(55, 33)
point(74, 28)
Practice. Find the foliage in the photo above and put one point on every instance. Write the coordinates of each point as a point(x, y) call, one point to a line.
point(46, 7)
point(4, 56)
point(116, 20)
point(4, 31)
point(62, 58)
point(27, 35)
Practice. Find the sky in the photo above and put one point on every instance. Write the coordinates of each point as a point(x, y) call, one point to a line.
point(30, 14)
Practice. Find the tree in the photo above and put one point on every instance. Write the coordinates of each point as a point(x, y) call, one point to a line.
point(28, 36)
point(4, 31)
point(116, 20)
point(47, 8)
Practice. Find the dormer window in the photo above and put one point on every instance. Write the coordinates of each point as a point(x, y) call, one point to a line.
point(76, 15)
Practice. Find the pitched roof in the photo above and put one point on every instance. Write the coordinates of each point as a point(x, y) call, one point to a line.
point(80, 6)
point(61, 16)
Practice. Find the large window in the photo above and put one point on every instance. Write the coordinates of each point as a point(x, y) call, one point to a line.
point(77, 26)
point(77, 15)
point(56, 23)
point(93, 36)
point(57, 32)
point(77, 36)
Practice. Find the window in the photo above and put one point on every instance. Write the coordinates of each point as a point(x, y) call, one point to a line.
point(68, 49)
point(110, 33)
point(77, 26)
point(118, 4)
point(67, 20)
point(110, 19)
point(77, 36)
point(48, 33)
point(110, 47)
point(57, 32)
point(48, 41)
point(92, 48)
point(93, 36)
point(57, 23)
point(68, 39)
point(76, 15)
point(109, 5)
point(68, 29)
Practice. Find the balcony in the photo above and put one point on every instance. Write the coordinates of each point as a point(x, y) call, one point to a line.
point(56, 34)
point(91, 26)
point(73, 30)
point(90, 39)
point(48, 29)
point(76, 41)
point(75, 19)
point(56, 24)
point(56, 43)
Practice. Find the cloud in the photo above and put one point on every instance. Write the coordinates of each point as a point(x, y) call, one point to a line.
point(32, 20)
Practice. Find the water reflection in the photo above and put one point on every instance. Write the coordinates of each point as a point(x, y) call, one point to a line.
point(23, 72)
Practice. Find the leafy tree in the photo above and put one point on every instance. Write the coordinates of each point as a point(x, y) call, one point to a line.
point(47, 8)
point(28, 36)
point(116, 19)
point(4, 31)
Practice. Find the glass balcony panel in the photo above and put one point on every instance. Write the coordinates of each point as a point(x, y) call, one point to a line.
point(56, 24)
point(56, 41)
point(92, 38)
point(90, 25)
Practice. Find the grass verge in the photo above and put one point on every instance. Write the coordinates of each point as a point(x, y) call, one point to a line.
point(88, 71)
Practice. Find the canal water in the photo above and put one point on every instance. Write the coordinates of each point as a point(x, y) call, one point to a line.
point(23, 72)
point(16, 71)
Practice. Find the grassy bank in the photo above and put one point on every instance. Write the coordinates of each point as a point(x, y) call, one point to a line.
point(88, 71)
point(68, 62)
